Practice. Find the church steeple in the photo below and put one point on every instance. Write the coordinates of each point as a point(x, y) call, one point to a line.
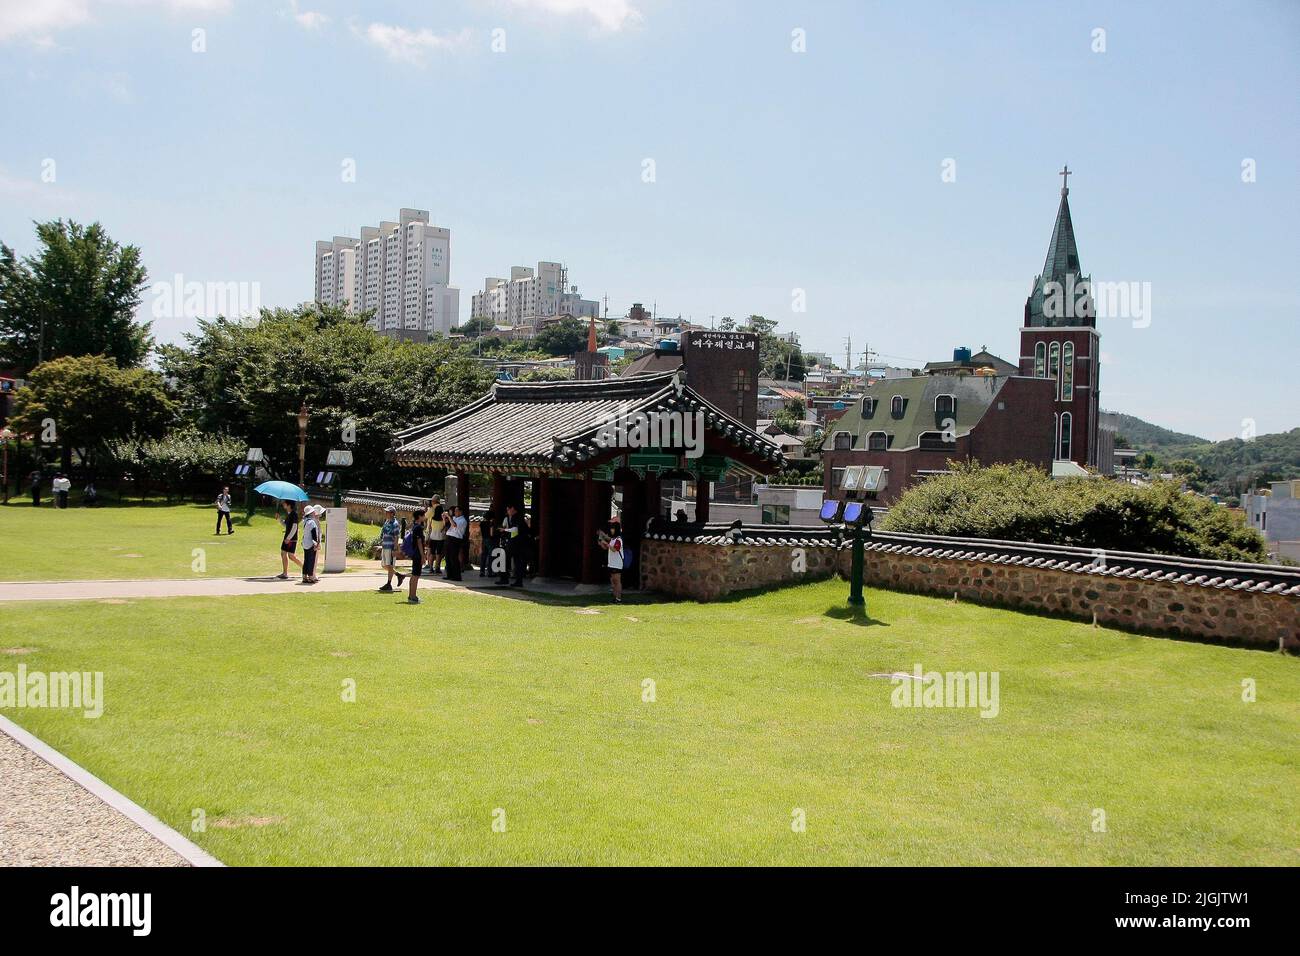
point(1061, 296)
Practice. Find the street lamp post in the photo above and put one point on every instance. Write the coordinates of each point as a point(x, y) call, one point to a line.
point(6, 436)
point(302, 442)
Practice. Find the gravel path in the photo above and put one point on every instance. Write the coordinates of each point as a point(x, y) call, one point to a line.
point(48, 820)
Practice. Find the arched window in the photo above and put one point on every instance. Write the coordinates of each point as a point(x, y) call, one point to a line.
point(1066, 427)
point(1040, 360)
point(868, 407)
point(877, 441)
point(1054, 364)
point(945, 404)
point(896, 406)
point(1067, 372)
point(842, 441)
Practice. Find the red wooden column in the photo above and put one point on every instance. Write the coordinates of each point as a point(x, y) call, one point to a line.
point(595, 514)
point(701, 499)
point(652, 492)
point(546, 525)
point(500, 493)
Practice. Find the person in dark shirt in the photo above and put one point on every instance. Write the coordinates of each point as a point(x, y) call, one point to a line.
point(487, 539)
point(289, 544)
point(515, 532)
point(417, 556)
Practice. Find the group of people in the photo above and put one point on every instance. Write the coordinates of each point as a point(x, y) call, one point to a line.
point(437, 542)
point(311, 539)
point(61, 488)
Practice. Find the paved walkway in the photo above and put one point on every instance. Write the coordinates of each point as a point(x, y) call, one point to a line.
point(358, 580)
point(54, 813)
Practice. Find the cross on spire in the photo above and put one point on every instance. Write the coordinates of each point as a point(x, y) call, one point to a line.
point(1065, 180)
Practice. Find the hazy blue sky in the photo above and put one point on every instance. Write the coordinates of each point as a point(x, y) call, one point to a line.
point(774, 170)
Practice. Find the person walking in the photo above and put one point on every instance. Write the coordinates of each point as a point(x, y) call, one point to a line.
point(387, 547)
point(310, 543)
point(613, 545)
point(457, 528)
point(416, 554)
point(289, 544)
point(36, 489)
point(435, 535)
point(89, 496)
point(223, 510)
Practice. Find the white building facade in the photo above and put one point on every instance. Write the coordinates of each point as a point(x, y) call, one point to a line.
point(399, 272)
point(529, 296)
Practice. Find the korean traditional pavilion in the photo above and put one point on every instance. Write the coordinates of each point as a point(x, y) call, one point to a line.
point(557, 435)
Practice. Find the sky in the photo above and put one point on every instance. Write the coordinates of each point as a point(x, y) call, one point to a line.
point(881, 171)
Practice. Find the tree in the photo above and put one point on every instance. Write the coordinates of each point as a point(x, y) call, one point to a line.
point(87, 402)
point(562, 338)
point(359, 387)
point(77, 296)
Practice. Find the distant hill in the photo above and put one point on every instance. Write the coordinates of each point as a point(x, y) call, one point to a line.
point(1147, 437)
point(1225, 467)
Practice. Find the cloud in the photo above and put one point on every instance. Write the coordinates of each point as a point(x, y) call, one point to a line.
point(411, 46)
point(37, 21)
point(307, 19)
point(609, 15)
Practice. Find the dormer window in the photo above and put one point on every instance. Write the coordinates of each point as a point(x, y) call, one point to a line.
point(945, 404)
point(868, 407)
point(842, 441)
point(877, 441)
point(896, 406)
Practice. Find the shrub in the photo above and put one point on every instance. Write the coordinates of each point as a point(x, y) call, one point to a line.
point(1022, 503)
point(362, 544)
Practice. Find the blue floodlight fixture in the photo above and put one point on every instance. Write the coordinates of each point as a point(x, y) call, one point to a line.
point(830, 510)
point(852, 512)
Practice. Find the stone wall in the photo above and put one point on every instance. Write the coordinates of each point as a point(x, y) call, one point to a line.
point(707, 571)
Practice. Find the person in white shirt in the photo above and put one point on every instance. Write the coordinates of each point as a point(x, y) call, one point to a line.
point(223, 510)
point(457, 528)
point(61, 486)
point(310, 543)
point(613, 545)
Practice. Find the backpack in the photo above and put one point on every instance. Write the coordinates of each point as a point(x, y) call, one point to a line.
point(627, 555)
point(408, 545)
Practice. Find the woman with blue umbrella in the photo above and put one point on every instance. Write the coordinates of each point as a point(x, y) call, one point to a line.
point(288, 494)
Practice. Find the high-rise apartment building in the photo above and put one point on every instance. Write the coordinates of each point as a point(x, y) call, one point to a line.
point(399, 272)
point(529, 296)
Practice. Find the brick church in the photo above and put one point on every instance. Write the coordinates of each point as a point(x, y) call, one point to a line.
point(1042, 410)
point(1059, 341)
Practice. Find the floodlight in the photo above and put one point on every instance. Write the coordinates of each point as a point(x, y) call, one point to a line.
point(339, 458)
point(830, 510)
point(254, 455)
point(852, 512)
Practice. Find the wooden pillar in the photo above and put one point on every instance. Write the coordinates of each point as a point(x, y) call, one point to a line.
point(462, 492)
point(701, 499)
point(545, 506)
point(500, 495)
point(652, 492)
point(595, 515)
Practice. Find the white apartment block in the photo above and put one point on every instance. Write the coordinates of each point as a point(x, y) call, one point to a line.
point(529, 296)
point(400, 272)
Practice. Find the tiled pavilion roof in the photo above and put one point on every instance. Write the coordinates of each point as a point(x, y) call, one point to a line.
point(553, 426)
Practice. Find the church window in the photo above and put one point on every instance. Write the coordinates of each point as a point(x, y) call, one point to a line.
point(1054, 362)
point(1066, 427)
point(1067, 372)
point(1040, 360)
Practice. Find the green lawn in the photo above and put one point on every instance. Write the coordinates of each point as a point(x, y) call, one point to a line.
point(149, 540)
point(470, 703)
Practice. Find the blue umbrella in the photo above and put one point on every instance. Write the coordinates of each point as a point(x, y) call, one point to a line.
point(285, 490)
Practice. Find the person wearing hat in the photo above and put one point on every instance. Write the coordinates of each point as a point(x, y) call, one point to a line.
point(387, 546)
point(310, 542)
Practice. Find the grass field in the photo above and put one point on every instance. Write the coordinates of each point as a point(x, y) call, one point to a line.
point(471, 704)
point(132, 541)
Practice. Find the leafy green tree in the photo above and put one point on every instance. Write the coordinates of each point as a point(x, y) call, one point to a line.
point(87, 402)
point(248, 380)
point(562, 338)
point(77, 296)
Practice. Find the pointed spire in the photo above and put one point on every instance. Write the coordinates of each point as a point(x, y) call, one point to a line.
point(1061, 275)
point(1062, 252)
